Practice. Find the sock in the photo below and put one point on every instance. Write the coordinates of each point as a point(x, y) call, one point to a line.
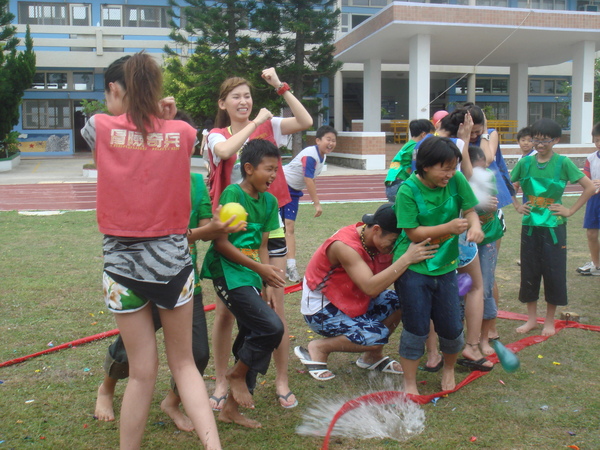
point(291, 262)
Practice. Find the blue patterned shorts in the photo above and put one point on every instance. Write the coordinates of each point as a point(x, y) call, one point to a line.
point(366, 329)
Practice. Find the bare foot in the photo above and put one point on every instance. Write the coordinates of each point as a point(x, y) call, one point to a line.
point(104, 405)
point(239, 390)
point(448, 380)
point(433, 360)
point(472, 352)
point(170, 406)
point(527, 327)
point(230, 414)
point(548, 329)
point(410, 389)
point(486, 348)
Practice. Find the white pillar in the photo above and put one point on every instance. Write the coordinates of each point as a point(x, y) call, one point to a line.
point(582, 93)
point(372, 95)
point(472, 88)
point(338, 101)
point(419, 77)
point(518, 92)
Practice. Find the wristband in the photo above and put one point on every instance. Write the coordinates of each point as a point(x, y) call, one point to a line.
point(283, 88)
point(485, 136)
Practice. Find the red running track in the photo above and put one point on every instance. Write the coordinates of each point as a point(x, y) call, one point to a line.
point(82, 196)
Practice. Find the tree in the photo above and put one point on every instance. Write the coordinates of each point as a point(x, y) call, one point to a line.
point(233, 38)
point(300, 41)
point(215, 36)
point(17, 69)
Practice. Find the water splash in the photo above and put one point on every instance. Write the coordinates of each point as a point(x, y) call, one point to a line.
point(399, 420)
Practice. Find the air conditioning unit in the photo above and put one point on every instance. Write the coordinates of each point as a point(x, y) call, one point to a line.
point(589, 7)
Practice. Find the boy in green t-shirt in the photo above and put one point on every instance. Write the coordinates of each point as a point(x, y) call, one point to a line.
point(401, 166)
point(543, 178)
point(428, 206)
point(234, 264)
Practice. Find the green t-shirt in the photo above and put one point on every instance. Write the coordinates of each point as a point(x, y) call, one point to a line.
point(262, 218)
point(401, 165)
point(201, 209)
point(569, 172)
point(407, 214)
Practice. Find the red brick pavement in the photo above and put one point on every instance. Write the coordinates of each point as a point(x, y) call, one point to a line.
point(82, 196)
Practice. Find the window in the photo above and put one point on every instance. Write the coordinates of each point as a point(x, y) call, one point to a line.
point(83, 81)
point(350, 21)
point(550, 110)
point(73, 81)
point(370, 3)
point(559, 5)
point(494, 86)
point(46, 114)
point(134, 16)
point(49, 80)
point(40, 13)
point(499, 109)
point(503, 3)
point(548, 86)
point(357, 19)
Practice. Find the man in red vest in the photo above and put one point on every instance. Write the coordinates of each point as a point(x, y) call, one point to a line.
point(345, 296)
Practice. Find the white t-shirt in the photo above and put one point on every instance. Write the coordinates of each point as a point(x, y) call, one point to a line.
point(312, 301)
point(236, 175)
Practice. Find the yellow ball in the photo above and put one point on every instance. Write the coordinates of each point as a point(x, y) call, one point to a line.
point(233, 209)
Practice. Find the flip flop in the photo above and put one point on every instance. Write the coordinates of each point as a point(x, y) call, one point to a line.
point(284, 398)
point(385, 365)
point(218, 401)
point(475, 365)
point(315, 368)
point(437, 368)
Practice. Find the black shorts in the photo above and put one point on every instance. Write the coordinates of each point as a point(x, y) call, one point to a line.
point(544, 256)
point(277, 247)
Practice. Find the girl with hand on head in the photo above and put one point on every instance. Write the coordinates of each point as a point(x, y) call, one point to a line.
point(234, 127)
point(146, 255)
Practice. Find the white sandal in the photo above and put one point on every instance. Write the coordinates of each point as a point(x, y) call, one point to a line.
point(315, 368)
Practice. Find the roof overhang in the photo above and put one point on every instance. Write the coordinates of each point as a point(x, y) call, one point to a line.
point(470, 35)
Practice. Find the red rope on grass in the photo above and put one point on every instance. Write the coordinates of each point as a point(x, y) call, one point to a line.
point(387, 397)
point(85, 340)
point(62, 346)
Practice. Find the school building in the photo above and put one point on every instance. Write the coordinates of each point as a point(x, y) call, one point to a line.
point(402, 61)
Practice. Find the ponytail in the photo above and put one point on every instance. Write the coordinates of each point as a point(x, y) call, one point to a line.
point(143, 81)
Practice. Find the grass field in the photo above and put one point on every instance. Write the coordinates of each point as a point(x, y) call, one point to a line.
point(50, 293)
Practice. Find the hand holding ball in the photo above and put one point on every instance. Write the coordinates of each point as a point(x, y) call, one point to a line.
point(233, 209)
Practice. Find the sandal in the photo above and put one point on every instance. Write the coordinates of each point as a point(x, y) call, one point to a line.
point(315, 368)
point(385, 365)
point(285, 399)
point(218, 400)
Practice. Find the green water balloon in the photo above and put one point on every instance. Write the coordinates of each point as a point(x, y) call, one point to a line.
point(509, 361)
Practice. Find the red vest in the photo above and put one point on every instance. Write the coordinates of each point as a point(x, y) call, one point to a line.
point(143, 188)
point(220, 175)
point(334, 282)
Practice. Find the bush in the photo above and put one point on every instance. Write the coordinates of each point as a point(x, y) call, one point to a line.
point(10, 145)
